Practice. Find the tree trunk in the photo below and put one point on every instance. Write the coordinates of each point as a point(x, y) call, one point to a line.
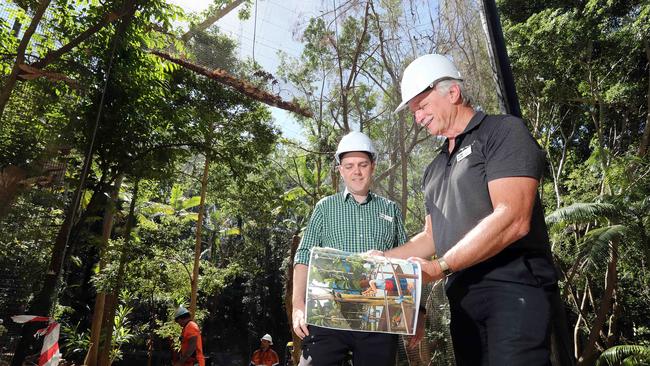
point(589, 354)
point(402, 132)
point(612, 333)
point(557, 173)
point(288, 296)
point(100, 299)
point(404, 163)
point(576, 329)
point(393, 159)
point(112, 298)
point(599, 124)
point(197, 246)
point(5, 93)
point(106, 331)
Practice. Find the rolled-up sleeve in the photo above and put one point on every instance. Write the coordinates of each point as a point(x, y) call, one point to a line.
point(311, 237)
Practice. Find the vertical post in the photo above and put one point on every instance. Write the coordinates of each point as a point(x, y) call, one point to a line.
point(499, 57)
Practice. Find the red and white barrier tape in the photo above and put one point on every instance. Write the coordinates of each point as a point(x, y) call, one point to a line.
point(50, 355)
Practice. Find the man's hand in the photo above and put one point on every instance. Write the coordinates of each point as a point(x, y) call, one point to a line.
point(299, 322)
point(373, 252)
point(431, 270)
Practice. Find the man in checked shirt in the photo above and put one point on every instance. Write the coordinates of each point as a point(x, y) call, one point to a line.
point(355, 220)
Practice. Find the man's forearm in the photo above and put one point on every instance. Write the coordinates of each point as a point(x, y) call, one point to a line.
point(299, 286)
point(513, 200)
point(486, 240)
point(421, 245)
point(298, 318)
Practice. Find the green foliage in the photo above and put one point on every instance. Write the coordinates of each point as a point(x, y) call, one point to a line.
point(213, 279)
point(26, 234)
point(625, 355)
point(169, 330)
point(581, 74)
point(582, 212)
point(122, 334)
point(74, 341)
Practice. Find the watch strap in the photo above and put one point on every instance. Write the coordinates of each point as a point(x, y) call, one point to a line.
point(444, 267)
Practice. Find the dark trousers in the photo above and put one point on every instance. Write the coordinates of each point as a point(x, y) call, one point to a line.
point(329, 347)
point(500, 323)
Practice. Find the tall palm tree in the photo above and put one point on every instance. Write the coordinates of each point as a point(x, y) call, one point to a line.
point(596, 237)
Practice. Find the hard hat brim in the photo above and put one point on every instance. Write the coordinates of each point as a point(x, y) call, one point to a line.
point(405, 102)
point(401, 106)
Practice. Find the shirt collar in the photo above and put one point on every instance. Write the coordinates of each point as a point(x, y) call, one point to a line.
point(347, 194)
point(476, 120)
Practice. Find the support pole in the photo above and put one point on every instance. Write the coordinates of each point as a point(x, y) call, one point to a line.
point(499, 56)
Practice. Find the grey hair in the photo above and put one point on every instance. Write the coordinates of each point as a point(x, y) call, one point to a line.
point(444, 85)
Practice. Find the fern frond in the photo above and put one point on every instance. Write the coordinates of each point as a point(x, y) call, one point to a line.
point(595, 246)
point(582, 212)
point(606, 233)
point(628, 354)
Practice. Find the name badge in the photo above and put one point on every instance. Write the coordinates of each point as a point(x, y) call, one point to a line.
point(386, 217)
point(464, 153)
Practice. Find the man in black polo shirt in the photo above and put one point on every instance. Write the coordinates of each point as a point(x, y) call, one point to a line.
point(484, 222)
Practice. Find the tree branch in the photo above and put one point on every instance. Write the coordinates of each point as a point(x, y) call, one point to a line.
point(106, 20)
point(241, 86)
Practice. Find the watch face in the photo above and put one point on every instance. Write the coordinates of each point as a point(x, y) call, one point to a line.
point(444, 267)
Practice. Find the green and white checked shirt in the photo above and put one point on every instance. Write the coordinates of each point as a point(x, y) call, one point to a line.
point(340, 222)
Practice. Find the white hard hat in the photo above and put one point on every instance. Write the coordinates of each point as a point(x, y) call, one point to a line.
point(355, 141)
point(267, 337)
point(423, 72)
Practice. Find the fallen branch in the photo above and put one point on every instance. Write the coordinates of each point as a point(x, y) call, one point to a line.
point(241, 86)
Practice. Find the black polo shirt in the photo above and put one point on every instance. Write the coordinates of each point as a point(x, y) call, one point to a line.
point(457, 197)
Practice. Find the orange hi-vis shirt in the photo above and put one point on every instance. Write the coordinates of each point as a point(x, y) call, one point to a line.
point(266, 358)
point(190, 330)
